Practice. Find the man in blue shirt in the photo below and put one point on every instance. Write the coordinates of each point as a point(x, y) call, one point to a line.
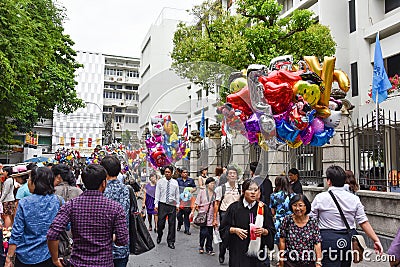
point(117, 191)
point(184, 211)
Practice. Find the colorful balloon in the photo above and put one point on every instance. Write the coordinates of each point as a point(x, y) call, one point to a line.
point(310, 92)
point(322, 138)
point(241, 101)
point(318, 125)
point(306, 135)
point(286, 131)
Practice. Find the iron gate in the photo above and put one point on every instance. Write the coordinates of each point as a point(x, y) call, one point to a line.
point(372, 151)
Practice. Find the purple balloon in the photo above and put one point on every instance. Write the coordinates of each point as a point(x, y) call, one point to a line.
point(150, 143)
point(251, 124)
point(307, 134)
point(252, 137)
point(318, 125)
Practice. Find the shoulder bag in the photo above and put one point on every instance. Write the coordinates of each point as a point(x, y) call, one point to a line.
point(357, 241)
point(201, 218)
point(64, 242)
point(140, 240)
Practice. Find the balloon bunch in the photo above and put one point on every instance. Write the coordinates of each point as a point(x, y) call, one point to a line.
point(164, 147)
point(288, 103)
point(66, 156)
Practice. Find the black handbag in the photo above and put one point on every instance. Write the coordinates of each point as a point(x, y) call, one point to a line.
point(140, 240)
point(64, 242)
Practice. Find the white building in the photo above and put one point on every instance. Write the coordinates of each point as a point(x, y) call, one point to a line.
point(354, 25)
point(109, 87)
point(161, 90)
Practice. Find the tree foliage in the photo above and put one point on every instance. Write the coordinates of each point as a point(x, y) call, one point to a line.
point(255, 35)
point(37, 65)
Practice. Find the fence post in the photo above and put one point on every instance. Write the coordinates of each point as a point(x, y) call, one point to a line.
point(214, 135)
point(195, 140)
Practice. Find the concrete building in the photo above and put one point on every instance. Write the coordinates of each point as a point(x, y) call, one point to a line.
point(108, 85)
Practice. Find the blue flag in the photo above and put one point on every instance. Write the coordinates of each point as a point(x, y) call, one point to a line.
point(202, 126)
point(380, 81)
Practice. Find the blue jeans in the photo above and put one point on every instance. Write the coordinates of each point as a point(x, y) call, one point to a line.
point(121, 262)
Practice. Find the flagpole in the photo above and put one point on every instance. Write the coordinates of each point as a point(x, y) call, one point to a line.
point(377, 113)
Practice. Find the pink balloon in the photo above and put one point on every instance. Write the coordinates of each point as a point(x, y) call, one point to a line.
point(318, 125)
point(307, 134)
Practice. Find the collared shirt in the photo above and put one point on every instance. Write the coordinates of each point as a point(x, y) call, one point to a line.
point(231, 195)
point(325, 210)
point(94, 219)
point(34, 216)
point(118, 192)
point(161, 189)
point(189, 182)
point(22, 192)
point(248, 205)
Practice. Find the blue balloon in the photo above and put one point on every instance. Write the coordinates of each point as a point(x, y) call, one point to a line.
point(286, 131)
point(320, 139)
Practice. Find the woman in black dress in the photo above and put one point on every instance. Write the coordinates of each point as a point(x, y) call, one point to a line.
point(235, 228)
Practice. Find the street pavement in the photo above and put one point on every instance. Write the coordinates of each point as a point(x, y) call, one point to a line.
point(186, 254)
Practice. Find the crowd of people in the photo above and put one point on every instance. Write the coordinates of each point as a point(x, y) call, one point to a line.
point(48, 211)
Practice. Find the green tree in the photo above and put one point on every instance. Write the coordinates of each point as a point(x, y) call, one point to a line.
point(126, 137)
point(37, 65)
point(254, 36)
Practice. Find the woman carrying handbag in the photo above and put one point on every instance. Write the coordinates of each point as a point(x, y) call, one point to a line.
point(205, 205)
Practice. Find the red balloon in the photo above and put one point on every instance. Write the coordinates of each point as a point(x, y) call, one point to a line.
point(278, 96)
point(241, 101)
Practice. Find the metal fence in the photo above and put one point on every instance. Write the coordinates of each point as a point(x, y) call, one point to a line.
point(224, 153)
point(372, 151)
point(308, 160)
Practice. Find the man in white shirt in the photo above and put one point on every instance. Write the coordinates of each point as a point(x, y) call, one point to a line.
point(167, 204)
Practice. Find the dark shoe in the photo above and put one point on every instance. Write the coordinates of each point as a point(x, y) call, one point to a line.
point(158, 239)
point(221, 259)
point(171, 245)
point(188, 233)
point(178, 228)
point(155, 230)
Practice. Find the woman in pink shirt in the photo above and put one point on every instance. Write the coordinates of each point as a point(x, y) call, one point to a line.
point(205, 203)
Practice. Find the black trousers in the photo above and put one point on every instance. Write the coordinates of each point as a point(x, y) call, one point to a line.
point(183, 218)
point(222, 247)
point(165, 210)
point(206, 236)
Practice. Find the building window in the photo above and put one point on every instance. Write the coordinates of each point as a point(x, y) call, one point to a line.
point(119, 118)
point(354, 79)
point(119, 86)
point(132, 110)
point(128, 96)
point(118, 72)
point(352, 15)
point(391, 5)
point(107, 109)
point(118, 110)
point(112, 95)
point(131, 119)
point(132, 74)
point(393, 65)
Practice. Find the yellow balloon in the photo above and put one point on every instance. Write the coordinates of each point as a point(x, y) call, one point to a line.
point(327, 77)
point(262, 143)
point(322, 111)
point(313, 64)
point(173, 137)
point(187, 150)
point(294, 144)
point(342, 79)
point(310, 92)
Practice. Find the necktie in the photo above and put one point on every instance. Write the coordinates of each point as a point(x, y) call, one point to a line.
point(167, 192)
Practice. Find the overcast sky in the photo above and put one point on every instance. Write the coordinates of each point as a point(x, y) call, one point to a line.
point(115, 27)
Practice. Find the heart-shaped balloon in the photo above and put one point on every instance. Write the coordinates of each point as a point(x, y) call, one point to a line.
point(278, 96)
point(241, 101)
